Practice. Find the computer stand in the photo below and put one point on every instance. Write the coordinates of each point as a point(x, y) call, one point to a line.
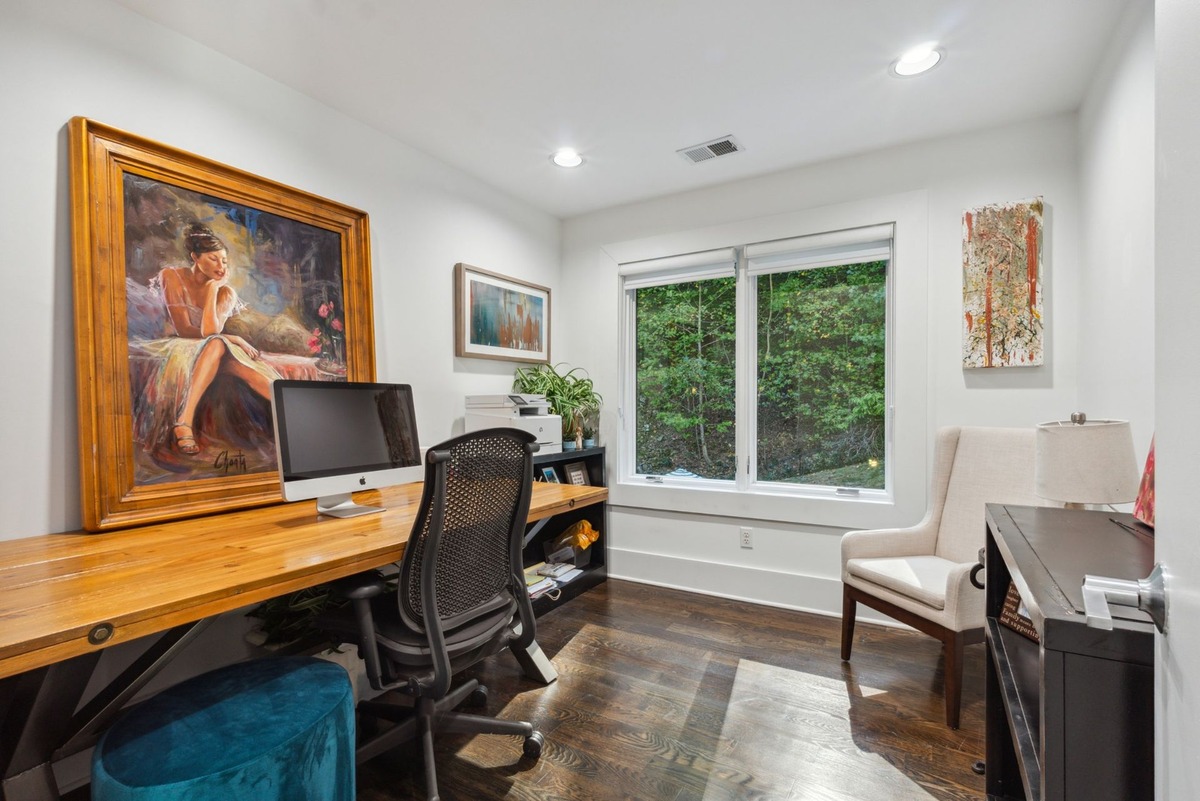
point(343, 505)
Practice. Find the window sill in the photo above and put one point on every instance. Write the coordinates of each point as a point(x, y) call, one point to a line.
point(762, 503)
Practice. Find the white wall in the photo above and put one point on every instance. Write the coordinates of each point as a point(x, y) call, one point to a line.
point(61, 58)
point(796, 564)
point(1116, 286)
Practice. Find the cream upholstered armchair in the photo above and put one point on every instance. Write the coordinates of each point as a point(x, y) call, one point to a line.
point(921, 575)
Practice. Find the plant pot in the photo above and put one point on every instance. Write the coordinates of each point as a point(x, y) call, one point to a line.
point(568, 445)
point(589, 443)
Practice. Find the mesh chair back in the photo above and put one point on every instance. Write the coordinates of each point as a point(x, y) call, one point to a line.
point(487, 478)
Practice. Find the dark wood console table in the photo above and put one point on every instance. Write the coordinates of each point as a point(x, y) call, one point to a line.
point(1069, 718)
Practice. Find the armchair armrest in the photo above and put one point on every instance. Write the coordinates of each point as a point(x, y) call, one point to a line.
point(875, 543)
point(964, 601)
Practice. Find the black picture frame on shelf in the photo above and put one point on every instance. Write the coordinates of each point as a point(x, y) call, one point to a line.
point(577, 474)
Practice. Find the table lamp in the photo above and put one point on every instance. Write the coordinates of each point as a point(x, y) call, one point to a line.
point(1081, 461)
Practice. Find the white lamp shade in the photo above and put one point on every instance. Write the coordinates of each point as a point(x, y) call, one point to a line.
point(1091, 462)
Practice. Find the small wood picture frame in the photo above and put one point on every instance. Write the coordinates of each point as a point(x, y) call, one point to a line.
point(577, 474)
point(500, 317)
point(550, 475)
point(1013, 615)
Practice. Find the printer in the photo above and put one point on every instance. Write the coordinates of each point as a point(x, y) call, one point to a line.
point(527, 412)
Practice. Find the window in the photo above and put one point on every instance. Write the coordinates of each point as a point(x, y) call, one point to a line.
point(801, 325)
point(685, 372)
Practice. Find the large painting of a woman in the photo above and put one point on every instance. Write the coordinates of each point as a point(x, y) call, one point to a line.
point(196, 286)
point(213, 318)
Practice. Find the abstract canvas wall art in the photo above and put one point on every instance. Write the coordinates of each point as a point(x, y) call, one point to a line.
point(1002, 285)
point(497, 317)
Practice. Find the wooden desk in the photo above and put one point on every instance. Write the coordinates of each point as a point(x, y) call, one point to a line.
point(57, 590)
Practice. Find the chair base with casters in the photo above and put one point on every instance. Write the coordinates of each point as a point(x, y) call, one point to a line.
point(277, 729)
point(409, 706)
point(459, 598)
point(424, 717)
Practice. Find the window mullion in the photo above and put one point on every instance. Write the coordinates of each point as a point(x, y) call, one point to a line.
point(746, 394)
point(628, 387)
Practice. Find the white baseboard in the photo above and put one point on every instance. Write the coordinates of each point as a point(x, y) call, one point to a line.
point(785, 590)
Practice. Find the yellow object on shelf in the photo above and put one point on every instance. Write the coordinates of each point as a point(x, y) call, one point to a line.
point(578, 535)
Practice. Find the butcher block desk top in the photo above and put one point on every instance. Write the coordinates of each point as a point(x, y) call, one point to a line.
point(56, 589)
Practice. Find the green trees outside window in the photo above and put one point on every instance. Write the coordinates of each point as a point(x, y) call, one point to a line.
point(686, 368)
point(821, 406)
point(820, 351)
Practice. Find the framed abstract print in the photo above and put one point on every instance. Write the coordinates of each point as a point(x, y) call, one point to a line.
point(196, 285)
point(497, 317)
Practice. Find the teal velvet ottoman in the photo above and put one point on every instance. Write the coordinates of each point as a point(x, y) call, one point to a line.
point(267, 730)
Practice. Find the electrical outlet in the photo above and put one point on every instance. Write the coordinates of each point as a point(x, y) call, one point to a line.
point(747, 537)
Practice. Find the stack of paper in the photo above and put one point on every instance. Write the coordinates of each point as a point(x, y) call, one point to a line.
point(570, 575)
point(543, 585)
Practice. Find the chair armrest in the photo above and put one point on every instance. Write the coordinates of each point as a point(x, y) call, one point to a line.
point(362, 586)
point(360, 589)
point(881, 542)
point(964, 601)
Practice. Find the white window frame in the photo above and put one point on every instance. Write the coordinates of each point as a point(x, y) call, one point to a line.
point(720, 263)
point(849, 246)
point(907, 380)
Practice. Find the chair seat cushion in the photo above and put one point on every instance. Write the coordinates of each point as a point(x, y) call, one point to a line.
point(407, 647)
point(922, 578)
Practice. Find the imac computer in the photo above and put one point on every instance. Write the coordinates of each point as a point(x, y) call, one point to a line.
point(333, 438)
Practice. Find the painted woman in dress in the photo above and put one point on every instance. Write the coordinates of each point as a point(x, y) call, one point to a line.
point(199, 301)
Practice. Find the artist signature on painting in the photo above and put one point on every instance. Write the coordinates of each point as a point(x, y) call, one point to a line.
point(226, 462)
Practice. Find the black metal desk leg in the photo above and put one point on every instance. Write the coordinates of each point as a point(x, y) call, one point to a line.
point(37, 708)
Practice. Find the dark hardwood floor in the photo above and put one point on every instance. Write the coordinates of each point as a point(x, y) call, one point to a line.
point(669, 696)
point(666, 695)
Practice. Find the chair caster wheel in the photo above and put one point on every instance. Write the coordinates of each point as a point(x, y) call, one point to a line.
point(478, 697)
point(533, 745)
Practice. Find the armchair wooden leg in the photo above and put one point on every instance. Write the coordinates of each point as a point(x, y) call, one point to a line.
point(849, 609)
point(954, 677)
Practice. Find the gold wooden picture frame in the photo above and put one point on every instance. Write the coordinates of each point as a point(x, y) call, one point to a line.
point(498, 317)
point(196, 284)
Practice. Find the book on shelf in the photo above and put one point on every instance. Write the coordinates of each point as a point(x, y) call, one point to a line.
point(533, 573)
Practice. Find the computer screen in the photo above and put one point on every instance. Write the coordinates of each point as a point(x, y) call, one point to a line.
point(333, 438)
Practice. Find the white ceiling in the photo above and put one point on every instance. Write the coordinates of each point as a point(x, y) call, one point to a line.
point(493, 86)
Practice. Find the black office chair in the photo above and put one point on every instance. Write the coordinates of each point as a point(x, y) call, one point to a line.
point(460, 596)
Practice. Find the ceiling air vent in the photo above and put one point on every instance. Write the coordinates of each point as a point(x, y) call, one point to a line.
point(710, 150)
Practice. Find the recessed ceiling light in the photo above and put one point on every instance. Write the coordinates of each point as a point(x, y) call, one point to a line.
point(566, 157)
point(920, 59)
